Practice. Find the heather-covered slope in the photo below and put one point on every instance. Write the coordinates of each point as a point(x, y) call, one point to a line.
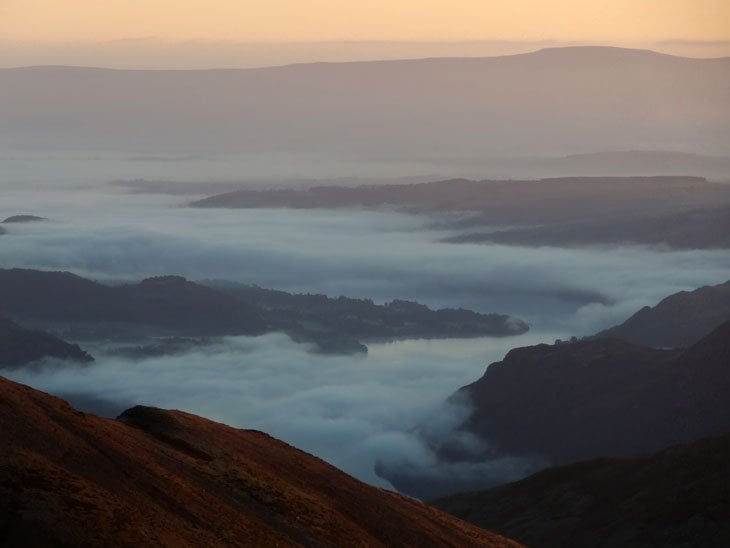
point(168, 478)
point(677, 497)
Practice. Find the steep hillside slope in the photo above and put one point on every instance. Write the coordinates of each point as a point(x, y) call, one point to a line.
point(677, 497)
point(601, 397)
point(561, 403)
point(678, 320)
point(168, 478)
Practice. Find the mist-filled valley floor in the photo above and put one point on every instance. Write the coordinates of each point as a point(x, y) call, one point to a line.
point(352, 410)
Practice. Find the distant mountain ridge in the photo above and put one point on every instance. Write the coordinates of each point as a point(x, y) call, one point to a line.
point(171, 306)
point(552, 102)
point(700, 228)
point(156, 477)
point(167, 301)
point(682, 212)
point(561, 198)
point(20, 346)
point(617, 163)
point(23, 219)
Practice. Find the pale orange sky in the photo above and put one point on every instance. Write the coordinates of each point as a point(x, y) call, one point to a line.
point(24, 21)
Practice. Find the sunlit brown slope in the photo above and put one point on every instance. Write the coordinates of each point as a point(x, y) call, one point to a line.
point(157, 477)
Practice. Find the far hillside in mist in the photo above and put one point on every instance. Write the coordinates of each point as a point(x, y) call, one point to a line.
point(553, 102)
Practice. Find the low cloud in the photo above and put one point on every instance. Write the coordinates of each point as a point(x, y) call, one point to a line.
point(380, 255)
point(351, 411)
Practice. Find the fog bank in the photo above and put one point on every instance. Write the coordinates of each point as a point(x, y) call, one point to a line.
point(351, 411)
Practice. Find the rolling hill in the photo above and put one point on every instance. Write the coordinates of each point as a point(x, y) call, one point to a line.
point(168, 478)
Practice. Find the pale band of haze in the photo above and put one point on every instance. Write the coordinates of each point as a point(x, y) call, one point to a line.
point(235, 33)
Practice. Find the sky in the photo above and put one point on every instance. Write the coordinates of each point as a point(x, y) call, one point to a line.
point(315, 20)
point(118, 33)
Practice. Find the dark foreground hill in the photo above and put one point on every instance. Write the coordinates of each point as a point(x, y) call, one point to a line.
point(677, 497)
point(20, 346)
point(167, 478)
point(678, 320)
point(603, 397)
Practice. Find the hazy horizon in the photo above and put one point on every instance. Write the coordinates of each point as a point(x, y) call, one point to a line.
point(228, 33)
point(151, 53)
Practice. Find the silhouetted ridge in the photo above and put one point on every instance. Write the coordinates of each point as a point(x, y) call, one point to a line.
point(677, 211)
point(23, 219)
point(681, 319)
point(20, 346)
point(177, 313)
point(677, 497)
point(168, 301)
point(603, 397)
